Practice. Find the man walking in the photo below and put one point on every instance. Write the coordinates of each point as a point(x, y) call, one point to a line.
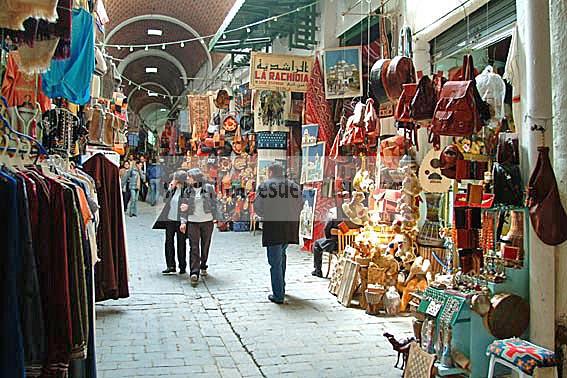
point(154, 176)
point(278, 202)
point(135, 177)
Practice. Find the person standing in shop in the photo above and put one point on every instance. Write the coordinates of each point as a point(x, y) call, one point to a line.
point(168, 220)
point(198, 211)
point(124, 183)
point(134, 179)
point(154, 175)
point(278, 202)
point(144, 184)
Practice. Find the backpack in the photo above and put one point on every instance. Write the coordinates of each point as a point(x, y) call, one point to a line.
point(457, 112)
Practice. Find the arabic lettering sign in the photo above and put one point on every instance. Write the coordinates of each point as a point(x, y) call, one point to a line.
point(280, 72)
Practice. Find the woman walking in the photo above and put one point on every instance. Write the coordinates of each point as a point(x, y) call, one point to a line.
point(134, 179)
point(168, 220)
point(124, 182)
point(199, 206)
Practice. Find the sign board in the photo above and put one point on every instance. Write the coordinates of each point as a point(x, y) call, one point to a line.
point(280, 72)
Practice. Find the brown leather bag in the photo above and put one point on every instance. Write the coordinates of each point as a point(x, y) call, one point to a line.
point(108, 131)
point(546, 211)
point(456, 113)
point(403, 109)
point(96, 127)
point(400, 71)
point(377, 78)
point(423, 103)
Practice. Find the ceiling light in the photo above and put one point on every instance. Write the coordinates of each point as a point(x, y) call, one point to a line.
point(182, 44)
point(163, 47)
point(157, 32)
point(151, 69)
point(131, 49)
point(152, 94)
point(118, 47)
point(147, 48)
point(163, 110)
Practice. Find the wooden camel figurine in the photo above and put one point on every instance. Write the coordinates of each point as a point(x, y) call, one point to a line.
point(402, 347)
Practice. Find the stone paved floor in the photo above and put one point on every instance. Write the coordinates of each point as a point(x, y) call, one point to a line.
point(226, 327)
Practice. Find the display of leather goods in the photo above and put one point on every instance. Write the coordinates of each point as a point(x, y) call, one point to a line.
point(509, 316)
point(448, 161)
point(508, 187)
point(108, 132)
point(96, 126)
point(508, 151)
point(400, 71)
point(377, 79)
point(430, 176)
point(456, 113)
point(230, 122)
point(355, 129)
point(480, 303)
point(240, 162)
point(251, 145)
point(403, 109)
point(424, 101)
point(429, 233)
point(546, 211)
point(471, 169)
point(222, 100)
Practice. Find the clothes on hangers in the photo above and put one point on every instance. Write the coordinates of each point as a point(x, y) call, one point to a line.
point(15, 12)
point(19, 88)
point(111, 274)
point(47, 273)
point(71, 78)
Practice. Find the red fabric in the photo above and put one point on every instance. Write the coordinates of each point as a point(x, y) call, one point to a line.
point(18, 88)
point(317, 108)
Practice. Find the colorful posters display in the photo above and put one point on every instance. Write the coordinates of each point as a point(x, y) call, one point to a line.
point(313, 163)
point(280, 72)
point(343, 72)
point(307, 215)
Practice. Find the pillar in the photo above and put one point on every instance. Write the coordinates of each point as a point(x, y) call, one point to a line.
point(533, 19)
point(558, 20)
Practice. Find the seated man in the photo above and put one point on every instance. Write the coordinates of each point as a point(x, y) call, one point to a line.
point(327, 244)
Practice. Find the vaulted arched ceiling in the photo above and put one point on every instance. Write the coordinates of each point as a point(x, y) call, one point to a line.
point(178, 20)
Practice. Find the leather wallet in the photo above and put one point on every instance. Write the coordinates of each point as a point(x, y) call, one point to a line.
point(474, 194)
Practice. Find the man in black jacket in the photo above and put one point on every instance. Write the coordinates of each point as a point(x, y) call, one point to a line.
point(278, 202)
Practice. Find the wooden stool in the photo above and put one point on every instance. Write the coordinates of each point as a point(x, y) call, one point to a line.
point(520, 356)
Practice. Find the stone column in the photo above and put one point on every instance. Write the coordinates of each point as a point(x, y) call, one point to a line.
point(533, 19)
point(558, 17)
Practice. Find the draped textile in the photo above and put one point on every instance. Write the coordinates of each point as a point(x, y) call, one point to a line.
point(111, 273)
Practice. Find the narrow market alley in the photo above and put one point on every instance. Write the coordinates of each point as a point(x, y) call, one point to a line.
point(226, 327)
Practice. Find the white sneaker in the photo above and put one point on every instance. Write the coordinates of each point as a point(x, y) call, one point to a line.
point(194, 279)
point(204, 273)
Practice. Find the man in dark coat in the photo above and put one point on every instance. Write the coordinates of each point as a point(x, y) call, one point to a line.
point(278, 202)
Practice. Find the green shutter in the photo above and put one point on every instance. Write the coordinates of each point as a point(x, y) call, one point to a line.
point(487, 20)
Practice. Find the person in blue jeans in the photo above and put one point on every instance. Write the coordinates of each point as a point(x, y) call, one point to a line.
point(278, 202)
point(134, 181)
point(155, 175)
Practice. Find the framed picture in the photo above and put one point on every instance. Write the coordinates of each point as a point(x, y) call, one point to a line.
point(307, 215)
point(343, 72)
point(270, 109)
point(309, 134)
point(313, 163)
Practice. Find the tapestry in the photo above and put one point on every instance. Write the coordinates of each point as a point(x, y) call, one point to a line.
point(199, 113)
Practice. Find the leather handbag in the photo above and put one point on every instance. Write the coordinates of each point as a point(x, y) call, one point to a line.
point(508, 151)
point(508, 188)
point(546, 211)
point(237, 143)
point(456, 112)
point(400, 71)
point(424, 101)
point(371, 124)
point(377, 80)
point(403, 109)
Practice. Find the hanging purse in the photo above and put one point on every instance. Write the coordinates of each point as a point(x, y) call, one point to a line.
point(546, 211)
point(424, 101)
point(371, 124)
point(403, 109)
point(508, 188)
point(448, 161)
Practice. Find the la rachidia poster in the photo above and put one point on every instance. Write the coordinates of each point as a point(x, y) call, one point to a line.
point(287, 73)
